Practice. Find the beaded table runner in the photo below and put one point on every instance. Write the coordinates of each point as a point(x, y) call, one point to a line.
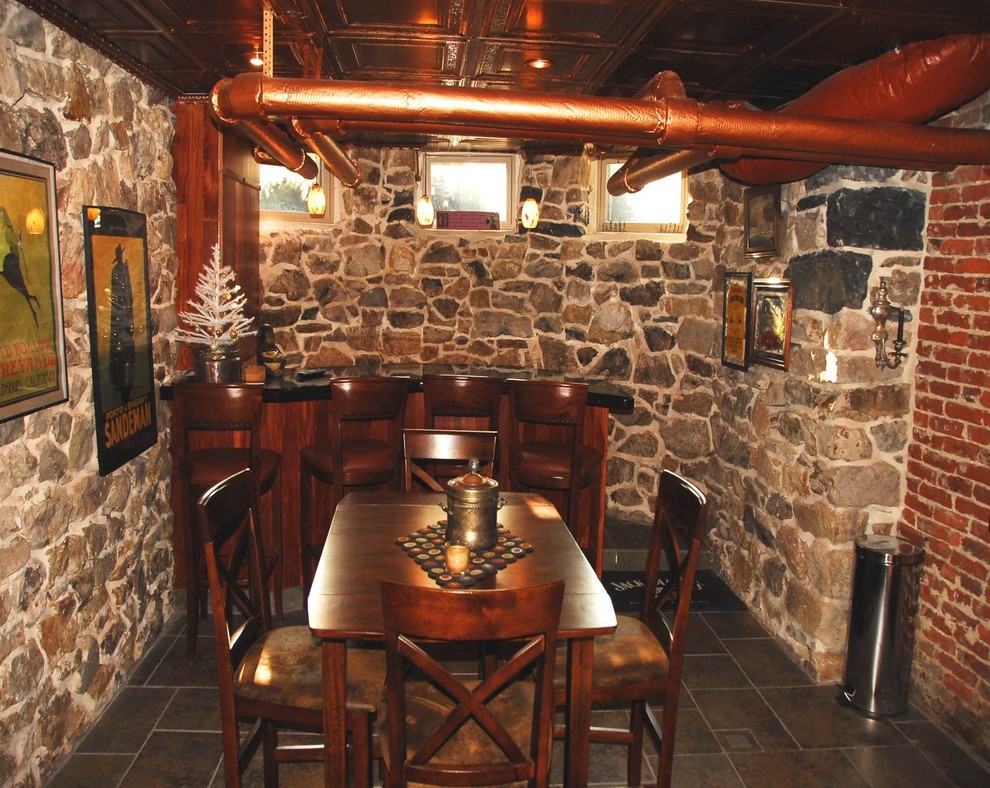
point(426, 547)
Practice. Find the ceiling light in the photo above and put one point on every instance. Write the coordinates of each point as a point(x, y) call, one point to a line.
point(539, 63)
point(256, 58)
point(316, 200)
point(530, 214)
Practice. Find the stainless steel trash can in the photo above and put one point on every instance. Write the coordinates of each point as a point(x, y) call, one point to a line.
point(881, 625)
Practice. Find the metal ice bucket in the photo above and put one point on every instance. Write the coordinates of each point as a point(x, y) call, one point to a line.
point(472, 509)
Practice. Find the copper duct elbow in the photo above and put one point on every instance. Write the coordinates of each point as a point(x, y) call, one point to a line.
point(337, 161)
point(268, 137)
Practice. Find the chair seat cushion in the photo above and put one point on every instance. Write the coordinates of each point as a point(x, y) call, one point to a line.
point(630, 657)
point(210, 466)
point(366, 461)
point(427, 707)
point(549, 464)
point(285, 668)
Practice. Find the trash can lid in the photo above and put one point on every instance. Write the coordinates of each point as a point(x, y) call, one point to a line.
point(888, 549)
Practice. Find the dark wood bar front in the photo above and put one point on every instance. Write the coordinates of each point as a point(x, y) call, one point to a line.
point(296, 411)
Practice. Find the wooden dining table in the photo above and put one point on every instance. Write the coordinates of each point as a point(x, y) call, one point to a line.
point(361, 550)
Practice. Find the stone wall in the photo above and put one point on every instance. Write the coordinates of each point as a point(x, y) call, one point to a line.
point(639, 312)
point(809, 458)
point(85, 561)
point(947, 507)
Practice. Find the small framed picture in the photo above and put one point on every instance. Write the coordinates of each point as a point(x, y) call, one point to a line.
point(761, 211)
point(771, 323)
point(736, 297)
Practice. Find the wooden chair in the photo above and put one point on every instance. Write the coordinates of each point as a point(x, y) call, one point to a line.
point(640, 663)
point(272, 677)
point(363, 450)
point(436, 728)
point(216, 431)
point(444, 448)
point(462, 397)
point(547, 452)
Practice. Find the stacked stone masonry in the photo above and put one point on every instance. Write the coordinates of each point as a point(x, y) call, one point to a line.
point(85, 562)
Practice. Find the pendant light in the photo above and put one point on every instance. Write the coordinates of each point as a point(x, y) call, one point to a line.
point(316, 200)
point(424, 207)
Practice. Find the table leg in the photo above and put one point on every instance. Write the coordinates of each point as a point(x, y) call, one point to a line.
point(580, 656)
point(334, 712)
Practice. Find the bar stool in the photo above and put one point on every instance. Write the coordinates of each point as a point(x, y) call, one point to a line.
point(462, 402)
point(363, 450)
point(216, 432)
point(546, 450)
point(460, 397)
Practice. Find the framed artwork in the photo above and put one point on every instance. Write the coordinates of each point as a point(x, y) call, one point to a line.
point(736, 296)
point(33, 371)
point(761, 212)
point(771, 320)
point(116, 243)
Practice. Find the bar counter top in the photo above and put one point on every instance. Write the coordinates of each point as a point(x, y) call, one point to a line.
point(602, 393)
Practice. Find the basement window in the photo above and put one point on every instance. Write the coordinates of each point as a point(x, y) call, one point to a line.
point(658, 209)
point(283, 196)
point(478, 183)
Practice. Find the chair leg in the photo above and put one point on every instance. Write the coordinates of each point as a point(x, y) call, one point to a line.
point(192, 588)
point(359, 755)
point(278, 573)
point(634, 755)
point(305, 506)
point(270, 753)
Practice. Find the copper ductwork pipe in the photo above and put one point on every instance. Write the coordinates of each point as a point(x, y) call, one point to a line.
point(664, 119)
point(270, 139)
point(338, 162)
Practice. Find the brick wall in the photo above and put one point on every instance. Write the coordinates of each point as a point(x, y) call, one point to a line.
point(947, 506)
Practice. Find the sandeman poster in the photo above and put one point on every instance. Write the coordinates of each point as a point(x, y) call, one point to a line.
point(120, 334)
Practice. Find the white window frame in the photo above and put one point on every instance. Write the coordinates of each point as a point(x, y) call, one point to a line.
point(659, 232)
point(272, 221)
point(508, 222)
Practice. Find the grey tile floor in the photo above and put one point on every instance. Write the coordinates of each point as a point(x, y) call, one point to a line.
point(749, 717)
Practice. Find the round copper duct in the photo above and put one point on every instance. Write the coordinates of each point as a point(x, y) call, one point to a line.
point(338, 162)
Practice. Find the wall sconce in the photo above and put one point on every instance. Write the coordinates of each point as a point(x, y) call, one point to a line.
point(529, 216)
point(316, 200)
point(35, 221)
point(880, 310)
point(424, 211)
point(424, 207)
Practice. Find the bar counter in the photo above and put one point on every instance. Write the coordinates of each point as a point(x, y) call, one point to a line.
point(298, 411)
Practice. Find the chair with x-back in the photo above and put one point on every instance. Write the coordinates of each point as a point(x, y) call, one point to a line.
point(640, 663)
point(438, 728)
point(270, 678)
point(427, 450)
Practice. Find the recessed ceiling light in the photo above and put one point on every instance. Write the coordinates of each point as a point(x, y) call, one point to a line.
point(539, 62)
point(255, 58)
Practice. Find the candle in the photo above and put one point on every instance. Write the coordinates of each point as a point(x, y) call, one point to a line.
point(458, 555)
point(900, 325)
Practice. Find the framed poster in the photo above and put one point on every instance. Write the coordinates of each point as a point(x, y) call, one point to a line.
point(761, 212)
point(32, 342)
point(736, 295)
point(771, 316)
point(116, 244)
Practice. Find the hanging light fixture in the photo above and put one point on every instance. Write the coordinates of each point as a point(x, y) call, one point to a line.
point(316, 200)
point(529, 217)
point(256, 58)
point(424, 207)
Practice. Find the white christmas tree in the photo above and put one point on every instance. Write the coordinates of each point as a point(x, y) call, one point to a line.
point(218, 317)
